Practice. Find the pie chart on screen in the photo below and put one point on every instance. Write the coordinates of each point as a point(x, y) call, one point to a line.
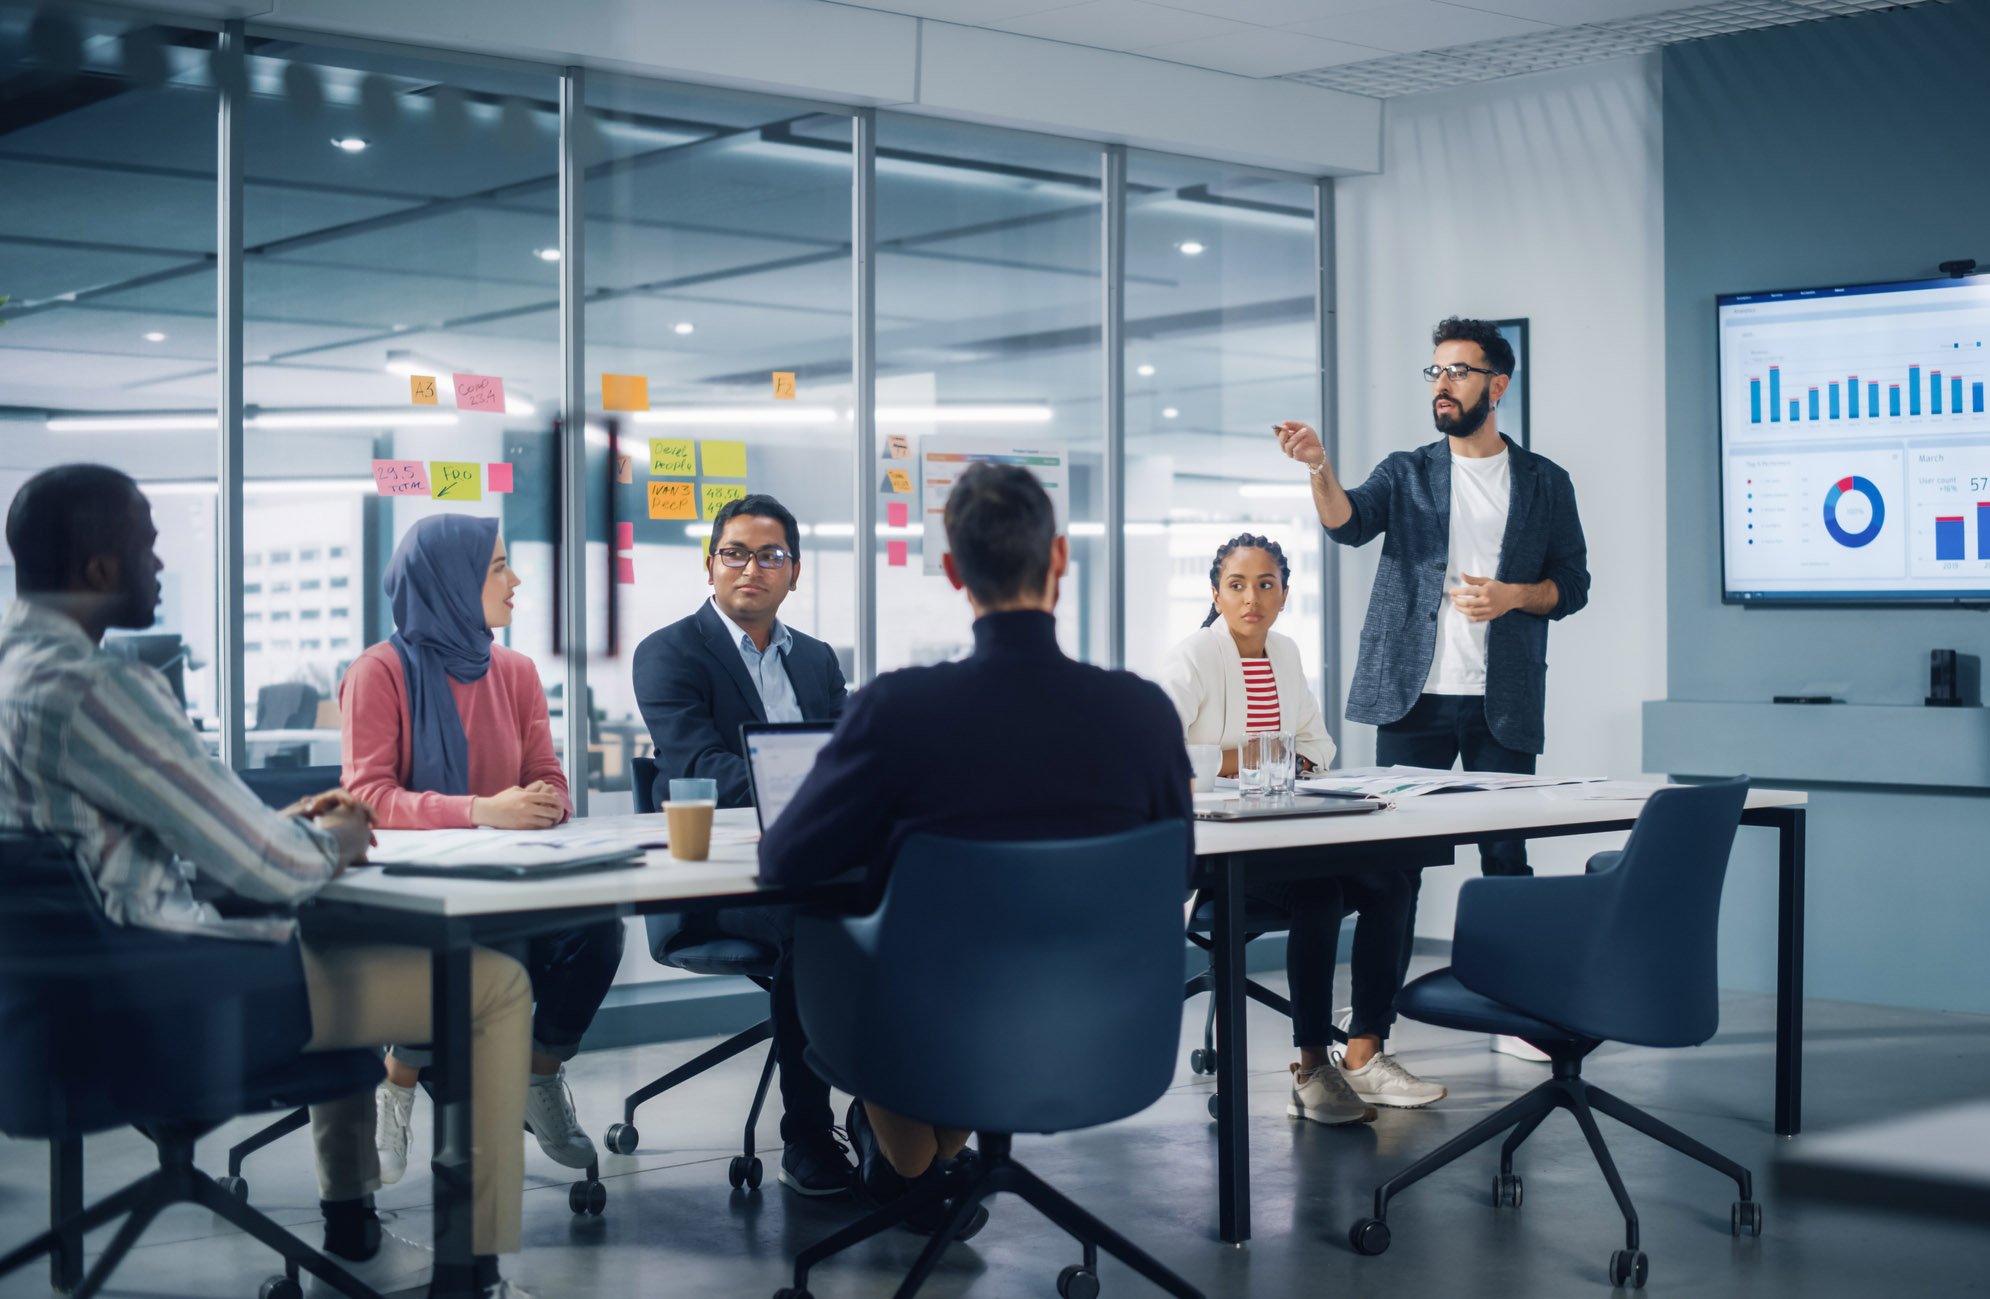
point(1853, 511)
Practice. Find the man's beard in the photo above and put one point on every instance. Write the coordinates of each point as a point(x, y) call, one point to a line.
point(1467, 421)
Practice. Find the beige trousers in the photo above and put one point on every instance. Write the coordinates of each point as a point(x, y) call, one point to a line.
point(367, 995)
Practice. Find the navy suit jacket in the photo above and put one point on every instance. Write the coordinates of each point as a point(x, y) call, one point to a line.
point(695, 694)
point(1014, 742)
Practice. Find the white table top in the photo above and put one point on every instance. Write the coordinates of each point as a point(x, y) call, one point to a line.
point(734, 862)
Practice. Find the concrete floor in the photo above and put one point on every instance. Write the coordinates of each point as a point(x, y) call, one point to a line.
point(672, 1227)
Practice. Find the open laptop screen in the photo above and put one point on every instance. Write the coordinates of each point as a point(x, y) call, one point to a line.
point(778, 757)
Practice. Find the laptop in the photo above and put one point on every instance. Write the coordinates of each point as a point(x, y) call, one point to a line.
point(778, 757)
point(1237, 808)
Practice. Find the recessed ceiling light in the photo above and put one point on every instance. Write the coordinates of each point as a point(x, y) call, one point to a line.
point(683, 327)
point(1144, 371)
point(1189, 247)
point(348, 144)
point(547, 254)
point(155, 337)
point(1169, 412)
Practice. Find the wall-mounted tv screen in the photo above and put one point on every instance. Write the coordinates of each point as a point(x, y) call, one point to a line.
point(1855, 446)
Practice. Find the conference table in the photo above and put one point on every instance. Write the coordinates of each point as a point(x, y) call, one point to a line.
point(451, 916)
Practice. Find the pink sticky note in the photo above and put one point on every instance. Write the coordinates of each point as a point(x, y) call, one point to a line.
point(894, 554)
point(497, 477)
point(625, 570)
point(401, 477)
point(895, 513)
point(479, 392)
point(625, 536)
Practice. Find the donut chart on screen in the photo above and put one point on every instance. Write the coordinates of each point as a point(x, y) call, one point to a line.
point(1865, 488)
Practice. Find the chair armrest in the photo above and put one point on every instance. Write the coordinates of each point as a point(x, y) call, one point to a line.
point(1604, 862)
point(1520, 940)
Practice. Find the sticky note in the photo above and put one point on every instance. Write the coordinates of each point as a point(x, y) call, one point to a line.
point(784, 385)
point(900, 479)
point(479, 392)
point(625, 469)
point(456, 480)
point(894, 553)
point(421, 389)
point(724, 459)
point(625, 570)
point(895, 513)
point(400, 477)
point(673, 457)
point(625, 536)
point(497, 478)
point(672, 501)
point(898, 447)
point(717, 495)
point(625, 392)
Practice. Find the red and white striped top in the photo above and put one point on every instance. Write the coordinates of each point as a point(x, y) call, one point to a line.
point(1260, 696)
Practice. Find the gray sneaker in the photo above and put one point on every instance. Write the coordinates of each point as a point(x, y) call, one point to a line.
point(1324, 1097)
point(393, 1107)
point(549, 1112)
point(1384, 1082)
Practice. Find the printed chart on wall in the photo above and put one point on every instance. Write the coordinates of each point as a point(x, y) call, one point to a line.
point(942, 460)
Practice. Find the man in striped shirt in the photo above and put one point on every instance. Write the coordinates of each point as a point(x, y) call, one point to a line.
point(96, 751)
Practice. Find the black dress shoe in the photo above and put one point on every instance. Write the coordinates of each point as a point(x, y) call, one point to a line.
point(930, 1218)
point(816, 1164)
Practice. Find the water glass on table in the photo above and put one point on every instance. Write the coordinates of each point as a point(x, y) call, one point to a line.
point(688, 813)
point(1281, 762)
point(1250, 766)
point(1265, 763)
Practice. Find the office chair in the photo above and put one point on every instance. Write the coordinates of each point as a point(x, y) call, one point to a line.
point(1625, 953)
point(983, 994)
point(109, 1025)
point(701, 951)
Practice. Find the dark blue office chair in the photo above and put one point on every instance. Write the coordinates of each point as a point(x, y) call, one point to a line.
point(1625, 953)
point(108, 1026)
point(985, 994)
point(700, 950)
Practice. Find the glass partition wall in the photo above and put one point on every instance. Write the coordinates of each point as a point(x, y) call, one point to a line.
point(402, 353)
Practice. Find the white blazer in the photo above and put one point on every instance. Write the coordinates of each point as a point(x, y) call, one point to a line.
point(1204, 676)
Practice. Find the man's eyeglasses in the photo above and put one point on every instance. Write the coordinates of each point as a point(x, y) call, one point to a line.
point(768, 557)
point(1456, 370)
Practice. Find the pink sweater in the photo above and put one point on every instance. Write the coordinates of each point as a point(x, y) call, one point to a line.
point(504, 716)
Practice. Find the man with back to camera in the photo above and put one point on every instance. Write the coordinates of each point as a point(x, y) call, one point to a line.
point(1483, 548)
point(697, 682)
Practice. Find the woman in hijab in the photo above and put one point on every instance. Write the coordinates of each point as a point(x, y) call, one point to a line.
point(444, 729)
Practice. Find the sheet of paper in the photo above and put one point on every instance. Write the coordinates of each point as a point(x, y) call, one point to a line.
point(421, 389)
point(724, 459)
point(483, 392)
point(625, 469)
point(673, 457)
point(497, 477)
point(625, 570)
point(718, 495)
point(895, 554)
point(625, 392)
point(899, 480)
point(625, 536)
point(456, 480)
point(673, 501)
point(784, 385)
point(400, 477)
point(944, 458)
point(896, 514)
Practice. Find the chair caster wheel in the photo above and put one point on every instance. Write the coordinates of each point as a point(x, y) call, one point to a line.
point(234, 1186)
point(280, 1287)
point(587, 1198)
point(1629, 1267)
point(1077, 1282)
point(1506, 1190)
point(1202, 1060)
point(621, 1138)
point(1369, 1236)
point(1215, 1108)
point(744, 1171)
point(1746, 1215)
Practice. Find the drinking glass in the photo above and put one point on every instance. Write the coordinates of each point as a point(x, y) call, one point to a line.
point(1280, 754)
point(1251, 765)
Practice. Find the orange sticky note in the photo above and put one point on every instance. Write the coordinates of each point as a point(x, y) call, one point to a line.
point(400, 477)
point(894, 553)
point(784, 385)
point(672, 501)
point(497, 478)
point(716, 496)
point(479, 392)
point(897, 446)
point(896, 513)
point(625, 469)
point(421, 388)
point(625, 570)
point(625, 392)
point(900, 479)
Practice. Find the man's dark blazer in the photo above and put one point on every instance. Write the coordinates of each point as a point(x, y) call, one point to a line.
point(695, 694)
point(1014, 742)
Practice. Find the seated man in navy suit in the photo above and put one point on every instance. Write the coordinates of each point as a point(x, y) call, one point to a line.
point(1014, 742)
point(697, 681)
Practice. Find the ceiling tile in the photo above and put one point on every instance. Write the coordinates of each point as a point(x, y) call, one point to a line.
point(1119, 24)
point(1269, 13)
point(1263, 52)
point(1411, 25)
point(972, 12)
point(1570, 13)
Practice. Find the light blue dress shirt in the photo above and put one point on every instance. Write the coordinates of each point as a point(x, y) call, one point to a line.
point(769, 670)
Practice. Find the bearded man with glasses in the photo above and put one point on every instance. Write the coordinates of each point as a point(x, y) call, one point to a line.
point(1483, 549)
point(697, 681)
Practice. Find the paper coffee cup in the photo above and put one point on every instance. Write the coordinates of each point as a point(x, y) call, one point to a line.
point(689, 829)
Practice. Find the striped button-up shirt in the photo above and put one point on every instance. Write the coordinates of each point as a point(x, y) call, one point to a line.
point(96, 751)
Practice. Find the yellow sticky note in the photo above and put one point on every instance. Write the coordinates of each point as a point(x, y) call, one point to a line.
point(901, 479)
point(717, 495)
point(724, 459)
point(672, 501)
point(625, 392)
point(451, 480)
point(421, 388)
point(784, 385)
point(673, 458)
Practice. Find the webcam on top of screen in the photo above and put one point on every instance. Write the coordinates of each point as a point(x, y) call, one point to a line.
point(1958, 268)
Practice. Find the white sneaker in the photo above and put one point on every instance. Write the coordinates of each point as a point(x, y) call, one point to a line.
point(393, 1106)
point(506, 1289)
point(399, 1264)
point(1324, 1097)
point(1384, 1082)
point(1519, 1048)
point(549, 1112)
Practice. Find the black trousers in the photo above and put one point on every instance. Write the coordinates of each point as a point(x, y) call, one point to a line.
point(1315, 908)
point(804, 1096)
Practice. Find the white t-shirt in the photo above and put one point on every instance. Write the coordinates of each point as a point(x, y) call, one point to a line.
point(1480, 493)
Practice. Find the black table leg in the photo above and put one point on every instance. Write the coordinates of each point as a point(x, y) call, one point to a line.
point(1233, 1112)
point(1789, 972)
point(449, 990)
point(65, 1202)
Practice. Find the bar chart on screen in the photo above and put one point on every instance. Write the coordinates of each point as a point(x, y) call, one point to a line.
point(1950, 501)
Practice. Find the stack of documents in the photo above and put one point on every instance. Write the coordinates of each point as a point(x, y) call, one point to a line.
point(1414, 782)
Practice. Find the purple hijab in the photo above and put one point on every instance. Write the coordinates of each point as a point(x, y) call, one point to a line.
point(435, 585)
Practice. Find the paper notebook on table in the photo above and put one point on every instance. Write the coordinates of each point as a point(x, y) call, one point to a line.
point(481, 854)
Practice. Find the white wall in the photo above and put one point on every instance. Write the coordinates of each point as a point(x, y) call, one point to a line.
point(1537, 197)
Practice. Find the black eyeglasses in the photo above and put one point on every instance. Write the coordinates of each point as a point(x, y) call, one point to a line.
point(768, 557)
point(1456, 370)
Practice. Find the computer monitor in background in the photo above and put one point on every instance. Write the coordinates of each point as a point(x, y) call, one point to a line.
point(162, 650)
